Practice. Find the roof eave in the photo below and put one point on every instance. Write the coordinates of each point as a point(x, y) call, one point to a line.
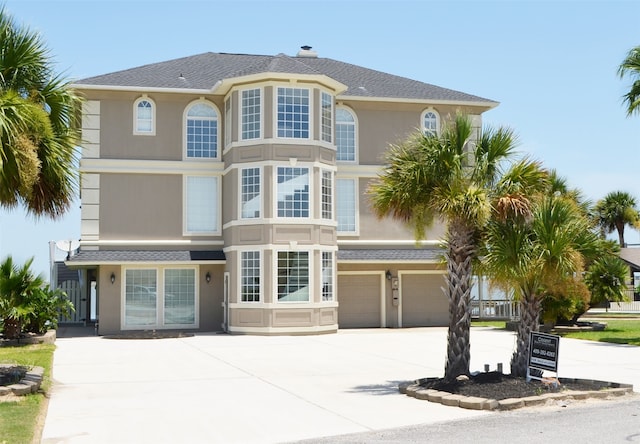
point(489, 104)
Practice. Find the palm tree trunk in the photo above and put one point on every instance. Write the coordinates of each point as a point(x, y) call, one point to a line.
point(529, 322)
point(460, 251)
point(620, 230)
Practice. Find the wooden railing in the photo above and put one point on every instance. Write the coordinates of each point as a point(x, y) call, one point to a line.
point(494, 309)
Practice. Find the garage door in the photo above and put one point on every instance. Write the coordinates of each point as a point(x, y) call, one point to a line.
point(423, 301)
point(359, 301)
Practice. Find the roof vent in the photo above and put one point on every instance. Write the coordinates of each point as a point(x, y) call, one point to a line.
point(306, 51)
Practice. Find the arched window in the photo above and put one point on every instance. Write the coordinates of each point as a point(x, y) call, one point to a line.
point(345, 135)
point(144, 116)
point(201, 131)
point(430, 122)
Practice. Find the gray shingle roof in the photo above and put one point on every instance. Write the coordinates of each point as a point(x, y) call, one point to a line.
point(391, 255)
point(122, 256)
point(203, 71)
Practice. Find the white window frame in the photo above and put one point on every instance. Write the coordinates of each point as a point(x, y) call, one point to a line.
point(137, 119)
point(326, 119)
point(331, 279)
point(242, 194)
point(241, 267)
point(160, 298)
point(185, 131)
point(216, 201)
point(276, 113)
point(243, 115)
point(355, 134)
point(423, 116)
point(310, 273)
point(276, 192)
point(228, 121)
point(338, 194)
point(326, 199)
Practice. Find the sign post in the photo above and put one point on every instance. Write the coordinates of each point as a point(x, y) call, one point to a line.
point(543, 353)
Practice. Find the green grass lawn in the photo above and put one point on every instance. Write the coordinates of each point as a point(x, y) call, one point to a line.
point(20, 421)
point(618, 331)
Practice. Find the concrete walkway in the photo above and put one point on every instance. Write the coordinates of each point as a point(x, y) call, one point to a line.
point(252, 389)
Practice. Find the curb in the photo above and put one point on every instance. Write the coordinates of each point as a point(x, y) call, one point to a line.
point(610, 389)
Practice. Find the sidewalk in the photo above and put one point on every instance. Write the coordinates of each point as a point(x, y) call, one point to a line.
point(254, 389)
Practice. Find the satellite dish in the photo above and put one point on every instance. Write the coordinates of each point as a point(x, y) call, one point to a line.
point(68, 246)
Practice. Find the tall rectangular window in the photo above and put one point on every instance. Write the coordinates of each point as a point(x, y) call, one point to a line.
point(327, 194)
point(251, 114)
point(250, 276)
point(293, 276)
point(327, 276)
point(293, 192)
point(293, 113)
point(346, 205)
point(180, 296)
point(327, 117)
point(228, 121)
point(201, 204)
point(250, 192)
point(202, 131)
point(140, 298)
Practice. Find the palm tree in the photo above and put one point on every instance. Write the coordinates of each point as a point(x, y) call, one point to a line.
point(461, 178)
point(534, 255)
point(615, 211)
point(39, 126)
point(17, 285)
point(630, 67)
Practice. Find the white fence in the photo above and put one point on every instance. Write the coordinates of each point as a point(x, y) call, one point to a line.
point(494, 309)
point(624, 306)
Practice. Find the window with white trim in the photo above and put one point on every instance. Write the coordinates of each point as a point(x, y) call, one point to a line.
point(327, 194)
point(326, 118)
point(346, 205)
point(179, 296)
point(250, 114)
point(345, 135)
point(430, 123)
point(201, 131)
point(144, 116)
point(251, 196)
point(140, 298)
point(228, 121)
point(170, 304)
point(293, 192)
point(293, 276)
point(250, 276)
point(293, 113)
point(327, 276)
point(201, 205)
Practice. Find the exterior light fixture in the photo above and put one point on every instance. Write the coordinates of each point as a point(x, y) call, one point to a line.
point(208, 277)
point(388, 275)
point(113, 277)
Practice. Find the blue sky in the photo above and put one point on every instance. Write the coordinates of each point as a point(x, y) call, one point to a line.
point(551, 65)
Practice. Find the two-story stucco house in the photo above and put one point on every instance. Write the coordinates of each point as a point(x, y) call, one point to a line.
point(227, 192)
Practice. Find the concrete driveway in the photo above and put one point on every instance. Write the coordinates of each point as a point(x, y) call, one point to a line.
point(252, 389)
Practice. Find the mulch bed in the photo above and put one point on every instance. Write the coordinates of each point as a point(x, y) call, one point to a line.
point(498, 386)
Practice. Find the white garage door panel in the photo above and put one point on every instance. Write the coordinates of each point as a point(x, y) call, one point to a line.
point(359, 301)
point(423, 301)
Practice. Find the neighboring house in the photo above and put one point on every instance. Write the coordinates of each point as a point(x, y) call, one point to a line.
point(227, 192)
point(631, 256)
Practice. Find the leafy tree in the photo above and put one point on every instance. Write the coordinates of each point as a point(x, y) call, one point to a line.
point(630, 67)
point(606, 279)
point(39, 125)
point(463, 177)
point(615, 211)
point(17, 284)
point(536, 256)
point(47, 305)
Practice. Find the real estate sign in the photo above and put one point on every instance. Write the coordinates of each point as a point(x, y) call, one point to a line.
point(543, 351)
